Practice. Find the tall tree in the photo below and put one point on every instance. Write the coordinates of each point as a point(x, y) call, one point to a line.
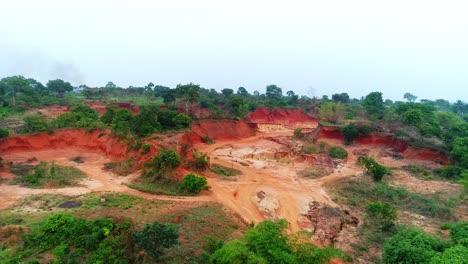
point(273, 92)
point(10, 86)
point(59, 86)
point(189, 93)
point(242, 91)
point(410, 97)
point(374, 105)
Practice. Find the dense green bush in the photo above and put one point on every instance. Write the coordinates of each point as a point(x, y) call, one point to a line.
point(80, 116)
point(376, 170)
point(4, 132)
point(165, 161)
point(450, 172)
point(76, 240)
point(337, 152)
point(268, 243)
point(350, 132)
point(412, 245)
point(156, 237)
point(460, 152)
point(193, 183)
point(181, 121)
point(36, 123)
point(383, 214)
point(200, 160)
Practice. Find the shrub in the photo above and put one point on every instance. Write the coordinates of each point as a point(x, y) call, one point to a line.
point(350, 132)
point(200, 160)
point(332, 112)
point(298, 133)
point(162, 163)
point(450, 172)
point(208, 140)
point(146, 148)
point(194, 184)
point(459, 153)
point(4, 132)
point(36, 123)
point(337, 152)
point(182, 121)
point(411, 245)
point(382, 213)
point(156, 237)
point(376, 170)
point(311, 149)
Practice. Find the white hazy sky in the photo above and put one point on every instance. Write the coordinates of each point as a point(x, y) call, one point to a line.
point(313, 47)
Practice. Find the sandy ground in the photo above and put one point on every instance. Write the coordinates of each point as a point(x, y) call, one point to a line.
point(279, 179)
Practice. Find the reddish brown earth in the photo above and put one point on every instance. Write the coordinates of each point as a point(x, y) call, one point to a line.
point(286, 117)
point(327, 132)
point(217, 130)
point(52, 111)
point(96, 140)
point(100, 107)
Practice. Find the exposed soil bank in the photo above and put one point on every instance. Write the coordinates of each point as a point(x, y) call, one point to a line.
point(286, 117)
point(327, 132)
point(217, 130)
point(96, 140)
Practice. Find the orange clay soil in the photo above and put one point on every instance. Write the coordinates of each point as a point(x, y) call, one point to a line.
point(277, 178)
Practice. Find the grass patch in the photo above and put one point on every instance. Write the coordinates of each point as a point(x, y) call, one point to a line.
point(118, 200)
point(224, 171)
point(45, 173)
point(161, 186)
point(360, 193)
point(316, 172)
point(122, 168)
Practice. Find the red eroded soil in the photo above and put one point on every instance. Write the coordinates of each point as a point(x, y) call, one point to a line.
point(100, 107)
point(426, 154)
point(327, 132)
point(217, 129)
point(72, 138)
point(55, 110)
point(280, 117)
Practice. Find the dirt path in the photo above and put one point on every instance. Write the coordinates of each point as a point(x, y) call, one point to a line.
point(293, 193)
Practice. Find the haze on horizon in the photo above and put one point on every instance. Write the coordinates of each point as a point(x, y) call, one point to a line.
point(311, 47)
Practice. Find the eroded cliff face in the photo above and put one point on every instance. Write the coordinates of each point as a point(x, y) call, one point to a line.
point(326, 132)
point(291, 118)
point(217, 130)
point(96, 141)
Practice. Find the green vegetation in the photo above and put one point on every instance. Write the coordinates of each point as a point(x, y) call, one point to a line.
point(358, 193)
point(194, 184)
point(37, 123)
point(268, 243)
point(224, 171)
point(4, 132)
point(81, 116)
point(373, 168)
point(74, 240)
point(411, 245)
point(47, 173)
point(316, 171)
point(382, 214)
point(155, 238)
point(163, 164)
point(337, 152)
point(332, 112)
point(122, 168)
point(298, 133)
point(200, 161)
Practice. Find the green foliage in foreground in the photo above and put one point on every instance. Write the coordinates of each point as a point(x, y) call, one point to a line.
point(411, 245)
point(50, 173)
point(337, 152)
point(268, 243)
point(163, 163)
point(76, 240)
point(156, 237)
point(194, 184)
